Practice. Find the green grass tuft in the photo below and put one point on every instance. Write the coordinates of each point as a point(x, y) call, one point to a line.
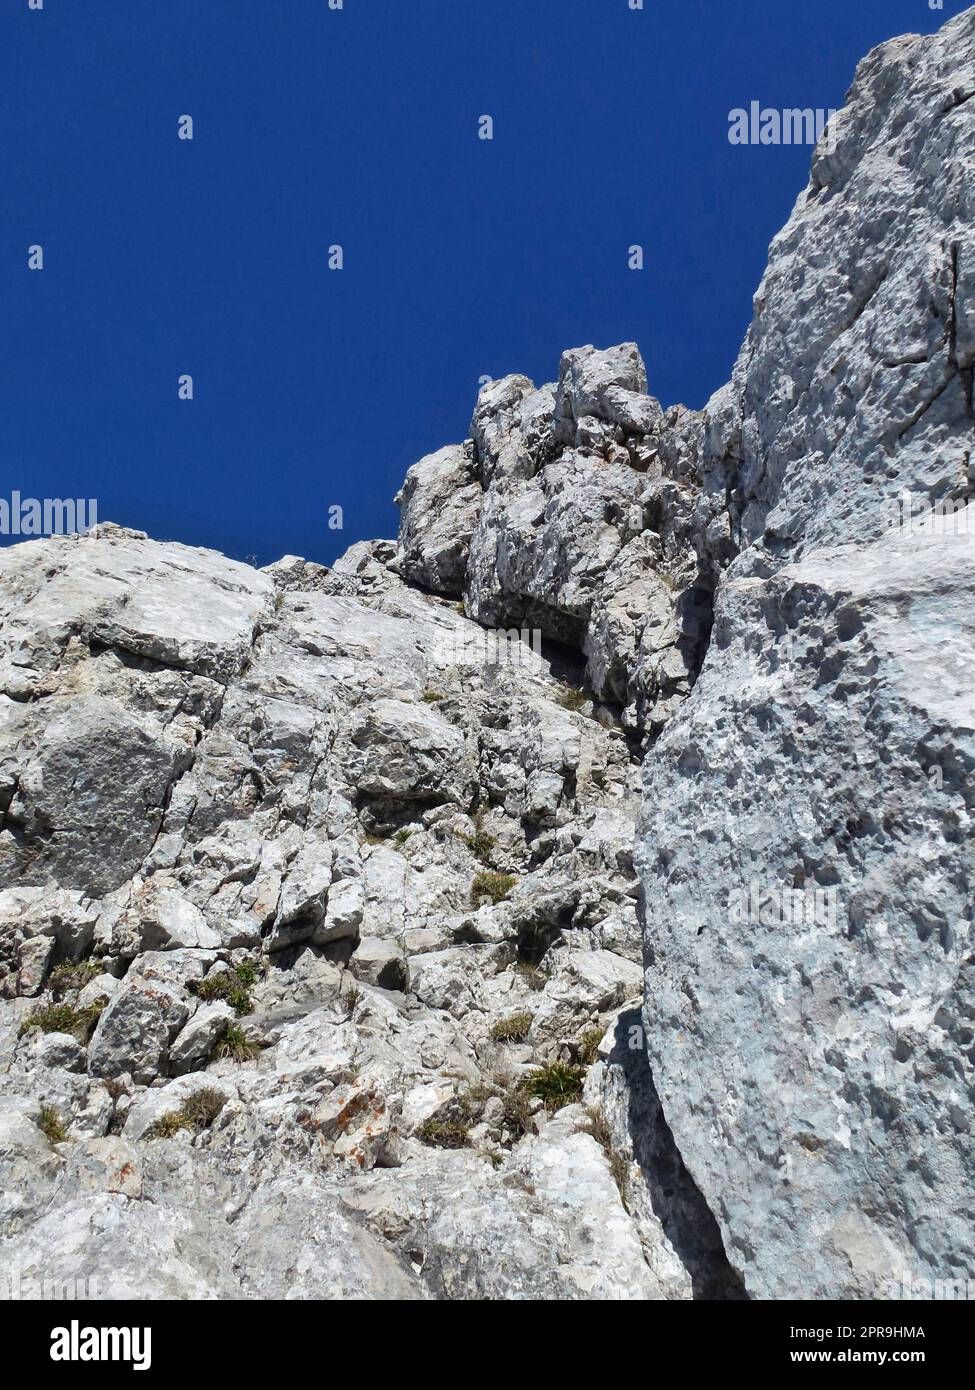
point(167, 1126)
point(481, 845)
point(556, 1084)
point(449, 1127)
point(533, 975)
point(512, 1029)
point(236, 1045)
point(350, 999)
point(491, 885)
point(62, 1018)
point(444, 1132)
point(72, 975)
point(233, 986)
point(619, 1165)
point(587, 1046)
point(571, 698)
point(196, 1114)
point(52, 1124)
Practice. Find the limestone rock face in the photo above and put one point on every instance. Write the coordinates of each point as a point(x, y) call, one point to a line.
point(348, 951)
point(855, 380)
point(315, 898)
point(806, 838)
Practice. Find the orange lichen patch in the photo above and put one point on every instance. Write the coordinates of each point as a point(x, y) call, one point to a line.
point(352, 1109)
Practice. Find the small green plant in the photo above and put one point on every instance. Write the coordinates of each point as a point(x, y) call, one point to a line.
point(587, 1046)
point(350, 999)
point(62, 1018)
point(459, 608)
point(556, 1084)
point(236, 1045)
point(491, 885)
point(444, 1133)
point(598, 1126)
point(619, 1169)
point(450, 1126)
point(203, 1107)
point(213, 987)
point(233, 986)
point(196, 1114)
point(402, 836)
point(619, 1166)
point(247, 973)
point(513, 1029)
point(481, 845)
point(167, 1126)
point(52, 1124)
point(533, 975)
point(72, 975)
point(238, 996)
point(517, 1117)
point(571, 698)
point(432, 697)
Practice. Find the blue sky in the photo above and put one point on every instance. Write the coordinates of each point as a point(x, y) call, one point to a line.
point(313, 127)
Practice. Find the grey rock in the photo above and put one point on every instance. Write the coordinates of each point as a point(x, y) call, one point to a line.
point(29, 1165)
point(134, 1032)
point(293, 1237)
point(440, 503)
point(195, 1042)
point(400, 847)
point(107, 1247)
point(806, 841)
point(381, 963)
point(160, 918)
point(403, 752)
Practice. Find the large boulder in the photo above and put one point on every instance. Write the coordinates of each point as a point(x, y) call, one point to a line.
point(806, 841)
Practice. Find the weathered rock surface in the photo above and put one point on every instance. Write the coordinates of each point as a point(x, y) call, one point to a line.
point(569, 511)
point(814, 1053)
point(379, 877)
point(322, 950)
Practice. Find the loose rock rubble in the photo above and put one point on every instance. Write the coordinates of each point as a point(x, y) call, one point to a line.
point(348, 951)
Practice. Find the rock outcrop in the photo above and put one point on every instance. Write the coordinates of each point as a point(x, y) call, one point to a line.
point(806, 842)
point(348, 951)
point(317, 902)
point(570, 512)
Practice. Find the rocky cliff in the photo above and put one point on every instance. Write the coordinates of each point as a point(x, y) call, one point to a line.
point(572, 899)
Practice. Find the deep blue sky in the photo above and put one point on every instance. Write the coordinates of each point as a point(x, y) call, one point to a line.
point(463, 257)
